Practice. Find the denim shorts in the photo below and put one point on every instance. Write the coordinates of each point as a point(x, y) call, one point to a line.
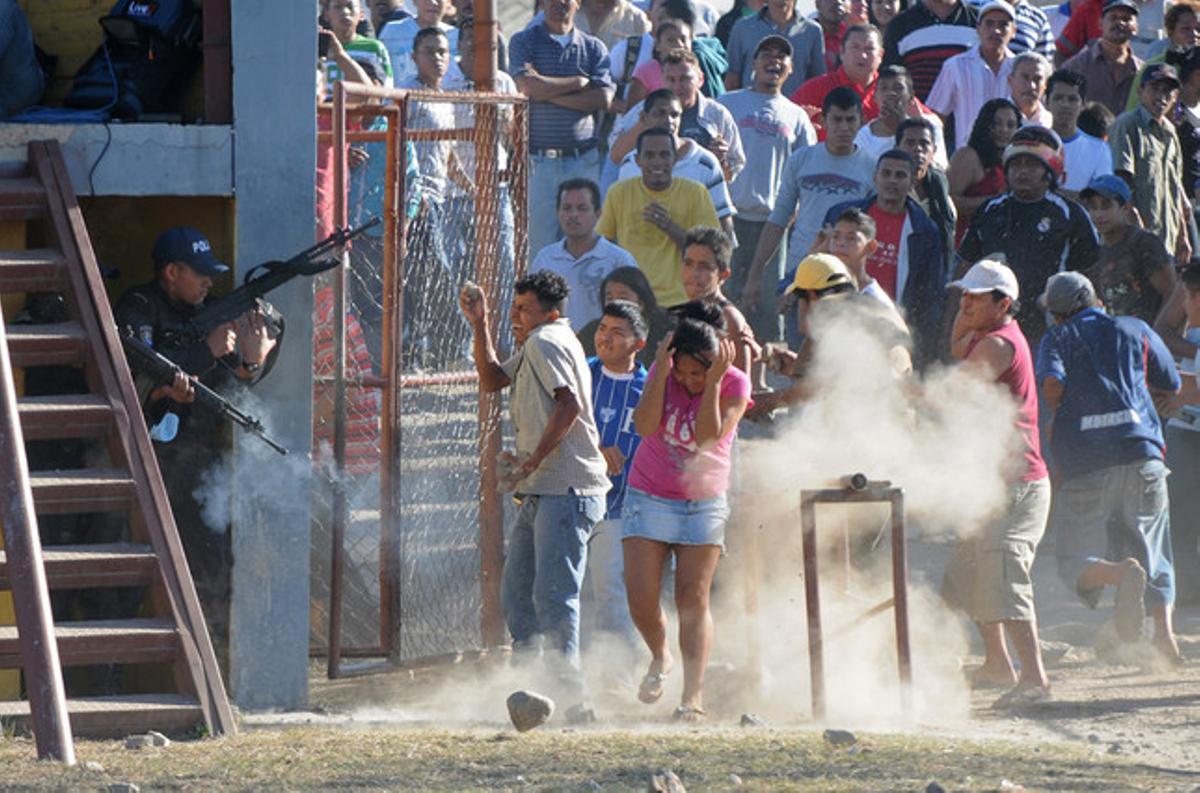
point(673, 521)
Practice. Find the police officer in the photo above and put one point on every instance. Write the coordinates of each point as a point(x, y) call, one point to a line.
point(189, 443)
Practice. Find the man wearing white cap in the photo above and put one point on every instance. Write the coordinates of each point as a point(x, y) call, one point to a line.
point(1102, 377)
point(988, 575)
point(970, 79)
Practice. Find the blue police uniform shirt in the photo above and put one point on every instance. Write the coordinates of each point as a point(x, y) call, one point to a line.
point(1107, 366)
point(614, 396)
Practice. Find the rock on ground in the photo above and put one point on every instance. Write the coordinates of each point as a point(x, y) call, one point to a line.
point(528, 709)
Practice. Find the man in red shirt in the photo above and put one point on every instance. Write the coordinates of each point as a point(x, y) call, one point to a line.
point(862, 51)
point(1082, 27)
point(899, 256)
point(893, 180)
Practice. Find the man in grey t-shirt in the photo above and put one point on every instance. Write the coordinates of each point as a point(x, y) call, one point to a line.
point(815, 178)
point(772, 127)
point(558, 474)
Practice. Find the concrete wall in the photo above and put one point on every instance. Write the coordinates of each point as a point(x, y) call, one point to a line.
point(274, 89)
point(134, 159)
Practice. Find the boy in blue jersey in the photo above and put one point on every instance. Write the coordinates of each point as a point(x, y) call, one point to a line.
point(617, 382)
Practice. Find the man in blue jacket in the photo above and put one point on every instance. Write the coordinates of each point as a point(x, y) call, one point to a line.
point(1101, 379)
point(905, 259)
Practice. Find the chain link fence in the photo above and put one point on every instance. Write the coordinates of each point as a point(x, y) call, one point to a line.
point(416, 579)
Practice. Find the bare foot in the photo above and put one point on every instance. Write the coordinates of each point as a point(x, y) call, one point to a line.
point(1168, 648)
point(1131, 594)
point(988, 677)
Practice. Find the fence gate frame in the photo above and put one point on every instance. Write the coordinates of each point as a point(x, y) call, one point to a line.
point(356, 100)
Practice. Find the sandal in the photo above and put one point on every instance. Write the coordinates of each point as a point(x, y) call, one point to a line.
point(1023, 695)
point(651, 688)
point(689, 714)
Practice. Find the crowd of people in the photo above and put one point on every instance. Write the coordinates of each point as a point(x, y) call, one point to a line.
point(997, 186)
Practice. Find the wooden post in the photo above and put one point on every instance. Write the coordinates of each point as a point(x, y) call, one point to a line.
point(31, 595)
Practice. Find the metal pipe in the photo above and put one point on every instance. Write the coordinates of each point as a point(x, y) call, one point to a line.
point(393, 188)
point(900, 595)
point(30, 592)
point(337, 557)
point(394, 394)
point(487, 242)
point(812, 605)
point(486, 48)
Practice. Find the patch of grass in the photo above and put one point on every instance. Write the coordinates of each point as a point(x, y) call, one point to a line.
point(324, 758)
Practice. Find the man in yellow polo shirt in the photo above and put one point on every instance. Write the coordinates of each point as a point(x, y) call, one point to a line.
point(650, 215)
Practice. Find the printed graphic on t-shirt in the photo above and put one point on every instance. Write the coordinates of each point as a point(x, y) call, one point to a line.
point(830, 184)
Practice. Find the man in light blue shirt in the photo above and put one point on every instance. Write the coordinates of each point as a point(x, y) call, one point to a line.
point(582, 257)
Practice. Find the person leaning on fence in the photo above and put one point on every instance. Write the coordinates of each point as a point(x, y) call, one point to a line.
point(429, 298)
point(989, 574)
point(675, 502)
point(558, 473)
point(1102, 378)
point(343, 38)
point(565, 74)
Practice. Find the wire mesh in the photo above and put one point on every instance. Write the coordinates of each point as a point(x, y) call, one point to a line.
point(412, 586)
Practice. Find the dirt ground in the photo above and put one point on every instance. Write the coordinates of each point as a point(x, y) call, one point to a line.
point(1109, 704)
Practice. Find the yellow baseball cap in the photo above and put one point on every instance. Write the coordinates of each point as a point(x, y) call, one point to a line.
point(819, 271)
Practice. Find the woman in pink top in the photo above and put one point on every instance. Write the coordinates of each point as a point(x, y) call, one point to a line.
point(672, 34)
point(675, 503)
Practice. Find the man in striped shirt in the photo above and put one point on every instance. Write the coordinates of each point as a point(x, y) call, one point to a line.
point(1033, 29)
point(923, 37)
point(565, 74)
point(617, 384)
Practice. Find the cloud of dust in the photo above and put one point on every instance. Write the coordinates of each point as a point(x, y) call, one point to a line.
point(946, 439)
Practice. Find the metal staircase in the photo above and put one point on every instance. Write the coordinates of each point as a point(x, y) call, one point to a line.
point(168, 631)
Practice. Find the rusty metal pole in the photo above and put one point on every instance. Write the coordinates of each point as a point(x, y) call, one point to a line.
point(389, 478)
point(487, 241)
point(30, 593)
point(900, 596)
point(394, 431)
point(337, 557)
point(812, 605)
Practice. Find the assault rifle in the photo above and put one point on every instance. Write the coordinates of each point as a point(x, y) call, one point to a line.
point(163, 370)
point(266, 277)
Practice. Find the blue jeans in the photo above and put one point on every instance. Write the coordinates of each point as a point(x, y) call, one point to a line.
point(606, 582)
point(1111, 514)
point(545, 175)
point(543, 575)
